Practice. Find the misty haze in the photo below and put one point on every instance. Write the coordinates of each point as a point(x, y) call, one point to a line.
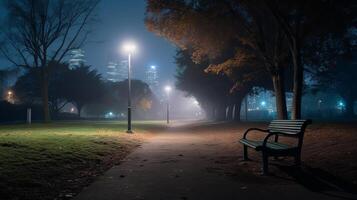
point(178, 99)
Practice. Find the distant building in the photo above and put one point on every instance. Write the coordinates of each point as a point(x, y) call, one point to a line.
point(152, 78)
point(76, 58)
point(117, 71)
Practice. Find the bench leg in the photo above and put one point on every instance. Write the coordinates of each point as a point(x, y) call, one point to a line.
point(298, 159)
point(265, 163)
point(245, 152)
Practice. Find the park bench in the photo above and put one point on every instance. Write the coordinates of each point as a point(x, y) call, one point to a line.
point(277, 128)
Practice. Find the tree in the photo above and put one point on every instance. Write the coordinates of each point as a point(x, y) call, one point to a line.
point(344, 81)
point(5, 74)
point(264, 29)
point(214, 92)
point(240, 33)
point(38, 32)
point(28, 90)
point(338, 74)
point(301, 20)
point(83, 86)
point(115, 100)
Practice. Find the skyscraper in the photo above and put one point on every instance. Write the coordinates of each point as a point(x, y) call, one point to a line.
point(76, 58)
point(117, 71)
point(152, 77)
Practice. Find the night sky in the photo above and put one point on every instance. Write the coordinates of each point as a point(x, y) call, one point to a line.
point(120, 20)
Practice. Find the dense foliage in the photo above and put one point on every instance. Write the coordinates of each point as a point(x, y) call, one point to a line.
point(269, 37)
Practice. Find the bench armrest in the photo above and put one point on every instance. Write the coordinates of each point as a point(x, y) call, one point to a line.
point(254, 129)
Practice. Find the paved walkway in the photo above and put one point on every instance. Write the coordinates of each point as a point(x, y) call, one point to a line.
point(180, 165)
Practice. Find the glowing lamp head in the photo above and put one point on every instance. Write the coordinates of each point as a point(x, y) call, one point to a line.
point(340, 103)
point(9, 92)
point(153, 67)
point(168, 89)
point(129, 47)
point(196, 102)
point(263, 103)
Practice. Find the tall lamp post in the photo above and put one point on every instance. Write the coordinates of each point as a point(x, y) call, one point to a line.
point(129, 48)
point(168, 90)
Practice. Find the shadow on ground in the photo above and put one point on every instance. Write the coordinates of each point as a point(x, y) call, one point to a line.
point(318, 180)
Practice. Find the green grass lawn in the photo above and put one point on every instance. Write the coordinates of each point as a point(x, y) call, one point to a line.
point(44, 161)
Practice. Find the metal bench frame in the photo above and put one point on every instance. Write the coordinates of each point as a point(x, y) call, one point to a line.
point(286, 128)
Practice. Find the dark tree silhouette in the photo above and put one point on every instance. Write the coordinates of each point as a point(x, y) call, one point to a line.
point(215, 92)
point(260, 31)
point(243, 36)
point(83, 86)
point(38, 32)
point(6, 74)
point(115, 100)
point(28, 87)
point(301, 20)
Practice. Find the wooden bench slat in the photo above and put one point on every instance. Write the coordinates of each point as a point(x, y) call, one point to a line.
point(290, 120)
point(278, 124)
point(287, 125)
point(284, 130)
point(284, 127)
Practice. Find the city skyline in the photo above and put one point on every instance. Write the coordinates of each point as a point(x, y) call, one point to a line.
point(128, 24)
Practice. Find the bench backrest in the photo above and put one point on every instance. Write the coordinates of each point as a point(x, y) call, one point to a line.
point(290, 127)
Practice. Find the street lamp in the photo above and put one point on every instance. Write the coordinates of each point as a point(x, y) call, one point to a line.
point(129, 48)
point(319, 104)
point(263, 103)
point(10, 98)
point(168, 90)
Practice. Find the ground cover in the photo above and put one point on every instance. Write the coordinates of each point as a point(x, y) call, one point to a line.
point(49, 161)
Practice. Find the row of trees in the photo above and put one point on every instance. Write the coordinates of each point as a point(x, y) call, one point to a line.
point(36, 33)
point(253, 41)
point(84, 88)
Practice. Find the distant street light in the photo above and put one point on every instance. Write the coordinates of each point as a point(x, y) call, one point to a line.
point(319, 104)
point(341, 104)
point(263, 103)
point(10, 97)
point(168, 90)
point(195, 102)
point(129, 48)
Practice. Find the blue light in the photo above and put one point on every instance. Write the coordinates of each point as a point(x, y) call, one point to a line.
point(153, 67)
point(341, 104)
point(110, 113)
point(263, 103)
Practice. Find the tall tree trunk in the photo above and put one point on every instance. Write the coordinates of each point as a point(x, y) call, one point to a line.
point(237, 110)
point(209, 110)
point(228, 112)
point(45, 106)
point(298, 82)
point(279, 89)
point(233, 112)
point(79, 109)
point(221, 113)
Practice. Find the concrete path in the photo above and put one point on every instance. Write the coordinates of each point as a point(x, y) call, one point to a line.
point(181, 165)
